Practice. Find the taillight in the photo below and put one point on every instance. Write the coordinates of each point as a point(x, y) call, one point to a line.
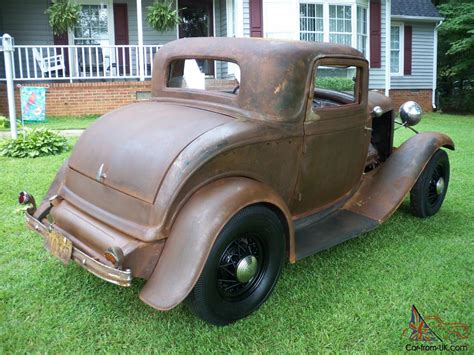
point(24, 198)
point(115, 256)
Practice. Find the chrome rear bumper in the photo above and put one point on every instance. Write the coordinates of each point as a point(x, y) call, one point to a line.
point(105, 272)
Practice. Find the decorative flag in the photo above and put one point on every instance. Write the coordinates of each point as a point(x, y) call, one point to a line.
point(33, 103)
point(420, 330)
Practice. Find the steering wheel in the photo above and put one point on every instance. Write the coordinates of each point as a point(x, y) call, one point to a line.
point(234, 91)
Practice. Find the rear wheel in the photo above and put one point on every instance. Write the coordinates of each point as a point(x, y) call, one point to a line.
point(242, 268)
point(429, 192)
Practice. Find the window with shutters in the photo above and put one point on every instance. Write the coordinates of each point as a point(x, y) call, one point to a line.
point(396, 53)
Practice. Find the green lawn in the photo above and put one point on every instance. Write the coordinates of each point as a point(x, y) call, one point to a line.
point(354, 297)
point(66, 122)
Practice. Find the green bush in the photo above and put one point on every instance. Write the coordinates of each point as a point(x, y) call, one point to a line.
point(4, 122)
point(35, 143)
point(162, 15)
point(337, 84)
point(63, 15)
point(462, 103)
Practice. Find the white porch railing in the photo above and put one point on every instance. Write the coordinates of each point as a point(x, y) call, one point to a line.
point(82, 62)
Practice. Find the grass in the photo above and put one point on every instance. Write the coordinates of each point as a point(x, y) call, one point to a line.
point(62, 122)
point(354, 297)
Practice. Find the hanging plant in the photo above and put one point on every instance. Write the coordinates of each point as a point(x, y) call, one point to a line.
point(63, 15)
point(163, 15)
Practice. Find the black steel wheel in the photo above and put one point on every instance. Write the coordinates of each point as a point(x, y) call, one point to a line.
point(428, 194)
point(242, 268)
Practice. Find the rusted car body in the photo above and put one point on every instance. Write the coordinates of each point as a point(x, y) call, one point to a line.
point(150, 187)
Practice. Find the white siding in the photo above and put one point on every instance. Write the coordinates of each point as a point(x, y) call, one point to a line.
point(221, 31)
point(246, 11)
point(422, 59)
point(281, 19)
point(26, 21)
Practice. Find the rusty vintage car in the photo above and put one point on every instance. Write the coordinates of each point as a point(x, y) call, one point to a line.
point(250, 152)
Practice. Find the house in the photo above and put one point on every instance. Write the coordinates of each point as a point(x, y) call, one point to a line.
point(106, 61)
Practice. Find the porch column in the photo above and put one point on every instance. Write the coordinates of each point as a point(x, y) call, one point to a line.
point(7, 48)
point(141, 63)
point(239, 18)
point(388, 44)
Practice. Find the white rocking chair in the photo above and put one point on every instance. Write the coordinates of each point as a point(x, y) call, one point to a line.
point(49, 65)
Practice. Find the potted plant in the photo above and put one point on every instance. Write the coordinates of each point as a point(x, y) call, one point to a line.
point(63, 15)
point(163, 15)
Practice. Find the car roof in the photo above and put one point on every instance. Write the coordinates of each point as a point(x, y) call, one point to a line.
point(274, 73)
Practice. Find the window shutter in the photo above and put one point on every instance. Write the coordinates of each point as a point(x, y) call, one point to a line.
point(256, 27)
point(407, 50)
point(375, 34)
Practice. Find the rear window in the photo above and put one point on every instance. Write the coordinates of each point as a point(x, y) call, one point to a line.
point(205, 74)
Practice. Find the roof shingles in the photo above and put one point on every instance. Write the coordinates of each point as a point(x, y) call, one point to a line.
point(418, 8)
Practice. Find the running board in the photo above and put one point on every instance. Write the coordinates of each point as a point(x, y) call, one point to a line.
point(378, 196)
point(323, 234)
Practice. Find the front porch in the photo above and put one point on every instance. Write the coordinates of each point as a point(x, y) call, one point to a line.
point(50, 63)
point(112, 41)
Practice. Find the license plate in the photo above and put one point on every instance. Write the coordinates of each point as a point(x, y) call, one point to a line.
point(59, 246)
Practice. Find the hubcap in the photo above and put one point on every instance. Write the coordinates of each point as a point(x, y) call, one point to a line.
point(240, 268)
point(440, 186)
point(246, 269)
point(436, 186)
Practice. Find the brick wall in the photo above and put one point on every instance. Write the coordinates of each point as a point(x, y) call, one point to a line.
point(82, 98)
point(100, 97)
point(423, 97)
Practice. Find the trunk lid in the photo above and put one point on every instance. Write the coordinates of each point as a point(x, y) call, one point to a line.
point(135, 145)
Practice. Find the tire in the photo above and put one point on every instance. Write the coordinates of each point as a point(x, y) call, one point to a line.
point(428, 194)
point(223, 293)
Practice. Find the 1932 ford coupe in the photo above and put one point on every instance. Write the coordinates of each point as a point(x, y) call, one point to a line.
point(249, 153)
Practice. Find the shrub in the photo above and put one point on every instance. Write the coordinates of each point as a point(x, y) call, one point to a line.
point(4, 122)
point(462, 103)
point(337, 84)
point(456, 96)
point(162, 15)
point(35, 143)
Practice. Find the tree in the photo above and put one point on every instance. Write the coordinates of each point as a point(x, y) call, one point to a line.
point(456, 36)
point(456, 52)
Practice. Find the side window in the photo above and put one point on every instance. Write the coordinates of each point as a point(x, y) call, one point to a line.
point(336, 85)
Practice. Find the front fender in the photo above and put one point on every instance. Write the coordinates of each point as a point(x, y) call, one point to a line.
point(193, 234)
point(380, 194)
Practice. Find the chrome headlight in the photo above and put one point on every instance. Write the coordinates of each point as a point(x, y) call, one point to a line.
point(410, 113)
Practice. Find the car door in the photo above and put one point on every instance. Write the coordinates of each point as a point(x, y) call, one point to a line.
point(336, 135)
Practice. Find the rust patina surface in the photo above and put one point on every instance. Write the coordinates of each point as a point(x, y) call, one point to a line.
point(160, 179)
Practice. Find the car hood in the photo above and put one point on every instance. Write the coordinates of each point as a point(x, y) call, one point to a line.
point(378, 99)
point(135, 145)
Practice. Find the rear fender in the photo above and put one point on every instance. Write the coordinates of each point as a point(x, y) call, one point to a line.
point(194, 231)
point(53, 189)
